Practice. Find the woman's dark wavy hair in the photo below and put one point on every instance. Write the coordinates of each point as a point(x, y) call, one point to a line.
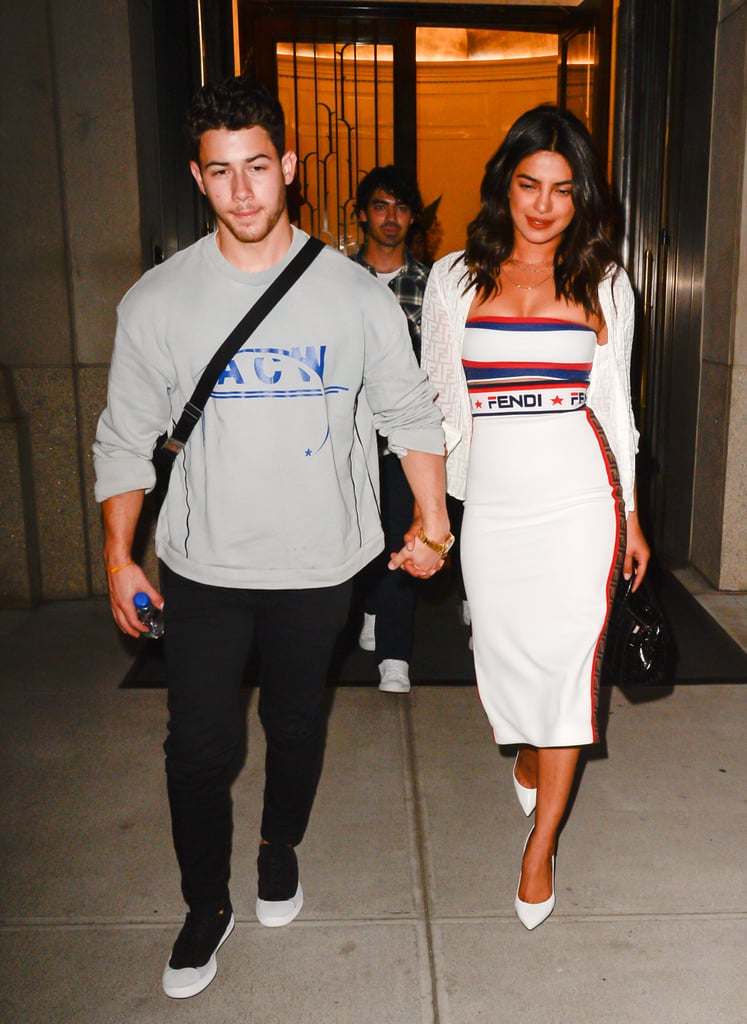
point(234, 104)
point(589, 244)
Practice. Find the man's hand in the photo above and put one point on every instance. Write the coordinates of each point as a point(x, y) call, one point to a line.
point(426, 477)
point(415, 557)
point(125, 578)
point(123, 585)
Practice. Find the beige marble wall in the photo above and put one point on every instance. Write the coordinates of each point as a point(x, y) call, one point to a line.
point(728, 7)
point(719, 536)
point(99, 168)
point(33, 280)
point(92, 392)
point(71, 249)
point(20, 577)
point(47, 397)
point(734, 555)
point(15, 579)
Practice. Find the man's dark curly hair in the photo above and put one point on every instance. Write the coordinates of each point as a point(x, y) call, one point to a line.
point(588, 248)
point(234, 104)
point(395, 182)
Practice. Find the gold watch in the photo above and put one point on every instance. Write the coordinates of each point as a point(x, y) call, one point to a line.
point(440, 549)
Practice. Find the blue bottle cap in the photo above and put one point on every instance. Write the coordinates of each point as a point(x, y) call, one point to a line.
point(141, 600)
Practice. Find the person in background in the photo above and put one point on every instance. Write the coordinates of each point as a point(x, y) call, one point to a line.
point(527, 338)
point(388, 203)
point(271, 509)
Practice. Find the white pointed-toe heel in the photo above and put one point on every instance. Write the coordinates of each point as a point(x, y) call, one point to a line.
point(526, 797)
point(533, 914)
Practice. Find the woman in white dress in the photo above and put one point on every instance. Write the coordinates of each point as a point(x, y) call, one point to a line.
point(527, 336)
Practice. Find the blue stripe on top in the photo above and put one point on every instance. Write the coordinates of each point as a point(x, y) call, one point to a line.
point(498, 323)
point(516, 373)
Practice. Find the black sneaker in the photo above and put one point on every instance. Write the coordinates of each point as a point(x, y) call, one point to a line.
point(192, 965)
point(280, 896)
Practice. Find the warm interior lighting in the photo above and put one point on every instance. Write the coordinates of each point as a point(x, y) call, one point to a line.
point(444, 45)
point(468, 44)
point(327, 51)
point(203, 69)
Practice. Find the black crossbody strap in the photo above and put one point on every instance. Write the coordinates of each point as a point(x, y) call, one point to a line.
point(249, 323)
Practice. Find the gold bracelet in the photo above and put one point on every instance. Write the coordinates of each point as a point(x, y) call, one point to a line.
point(119, 568)
point(440, 548)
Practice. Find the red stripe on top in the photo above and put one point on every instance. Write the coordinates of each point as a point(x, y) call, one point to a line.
point(526, 320)
point(529, 385)
point(529, 366)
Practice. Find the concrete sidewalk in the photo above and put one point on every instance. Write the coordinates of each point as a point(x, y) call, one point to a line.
point(409, 867)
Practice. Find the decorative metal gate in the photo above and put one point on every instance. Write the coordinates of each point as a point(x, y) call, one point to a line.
point(338, 101)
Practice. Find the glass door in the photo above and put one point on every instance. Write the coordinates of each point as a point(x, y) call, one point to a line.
point(577, 74)
point(586, 75)
point(435, 96)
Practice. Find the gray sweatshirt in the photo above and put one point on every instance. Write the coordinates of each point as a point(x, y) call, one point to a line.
point(278, 484)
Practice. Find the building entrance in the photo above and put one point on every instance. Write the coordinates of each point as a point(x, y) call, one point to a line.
point(434, 93)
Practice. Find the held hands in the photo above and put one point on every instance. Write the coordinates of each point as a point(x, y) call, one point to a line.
point(416, 557)
point(636, 550)
point(124, 583)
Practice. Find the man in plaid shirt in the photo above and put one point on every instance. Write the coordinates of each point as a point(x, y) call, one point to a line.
point(387, 203)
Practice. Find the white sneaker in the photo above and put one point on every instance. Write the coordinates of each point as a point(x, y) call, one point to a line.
point(394, 676)
point(276, 913)
point(367, 636)
point(277, 878)
point(192, 964)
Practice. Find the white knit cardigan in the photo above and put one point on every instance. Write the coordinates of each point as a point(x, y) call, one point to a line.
point(445, 308)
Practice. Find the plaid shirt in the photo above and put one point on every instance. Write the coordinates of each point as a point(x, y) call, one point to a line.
point(409, 287)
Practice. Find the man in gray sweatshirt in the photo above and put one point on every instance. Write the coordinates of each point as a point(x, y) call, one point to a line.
point(272, 506)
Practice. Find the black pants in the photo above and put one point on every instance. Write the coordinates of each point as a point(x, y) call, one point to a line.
point(390, 596)
point(209, 636)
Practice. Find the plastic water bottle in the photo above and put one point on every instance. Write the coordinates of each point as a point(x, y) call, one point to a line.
point(149, 615)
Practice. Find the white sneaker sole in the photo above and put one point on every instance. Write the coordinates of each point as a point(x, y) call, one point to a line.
point(276, 913)
point(190, 981)
point(394, 686)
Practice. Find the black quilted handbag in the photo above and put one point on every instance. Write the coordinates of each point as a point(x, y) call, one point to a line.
point(639, 642)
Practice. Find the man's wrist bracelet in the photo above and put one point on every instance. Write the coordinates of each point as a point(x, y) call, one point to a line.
point(118, 568)
point(441, 548)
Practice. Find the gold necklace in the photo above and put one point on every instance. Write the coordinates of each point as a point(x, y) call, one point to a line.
point(533, 268)
point(527, 287)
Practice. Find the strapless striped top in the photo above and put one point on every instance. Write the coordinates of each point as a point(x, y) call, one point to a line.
point(526, 366)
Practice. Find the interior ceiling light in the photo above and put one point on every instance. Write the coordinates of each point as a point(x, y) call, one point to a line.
point(445, 45)
point(468, 44)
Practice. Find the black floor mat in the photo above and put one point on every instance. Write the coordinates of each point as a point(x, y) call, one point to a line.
point(704, 652)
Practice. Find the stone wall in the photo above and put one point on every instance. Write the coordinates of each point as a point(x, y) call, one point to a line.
point(719, 532)
point(71, 248)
